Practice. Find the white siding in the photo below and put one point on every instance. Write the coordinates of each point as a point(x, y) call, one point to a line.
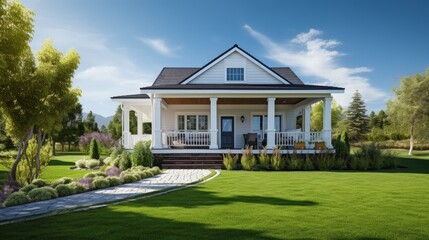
point(253, 73)
point(169, 117)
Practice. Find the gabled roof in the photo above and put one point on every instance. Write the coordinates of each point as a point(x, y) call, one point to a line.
point(228, 52)
point(174, 75)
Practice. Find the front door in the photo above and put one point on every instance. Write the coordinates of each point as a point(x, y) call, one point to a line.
point(227, 132)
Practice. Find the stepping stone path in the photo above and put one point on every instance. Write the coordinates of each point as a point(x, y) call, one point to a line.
point(167, 179)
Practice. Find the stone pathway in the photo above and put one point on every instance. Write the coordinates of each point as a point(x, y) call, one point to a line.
point(167, 179)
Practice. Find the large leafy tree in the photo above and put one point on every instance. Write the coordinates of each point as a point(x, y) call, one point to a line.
point(408, 111)
point(357, 120)
point(43, 95)
point(316, 115)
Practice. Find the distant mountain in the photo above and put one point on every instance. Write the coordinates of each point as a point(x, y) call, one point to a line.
point(99, 119)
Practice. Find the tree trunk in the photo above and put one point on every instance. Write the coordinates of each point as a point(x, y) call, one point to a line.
point(53, 147)
point(40, 139)
point(62, 146)
point(22, 148)
point(69, 146)
point(410, 153)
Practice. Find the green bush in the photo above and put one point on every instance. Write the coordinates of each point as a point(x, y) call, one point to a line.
point(63, 180)
point(117, 151)
point(100, 183)
point(340, 164)
point(125, 160)
point(77, 187)
point(264, 159)
point(16, 198)
point(107, 160)
point(114, 181)
point(94, 174)
point(80, 163)
point(143, 174)
point(308, 165)
point(362, 163)
point(294, 163)
point(149, 173)
point(138, 155)
point(155, 170)
point(39, 182)
point(93, 149)
point(137, 176)
point(229, 160)
point(89, 175)
point(353, 163)
point(248, 160)
point(129, 178)
point(64, 190)
point(43, 193)
point(28, 188)
point(389, 160)
point(277, 160)
point(91, 163)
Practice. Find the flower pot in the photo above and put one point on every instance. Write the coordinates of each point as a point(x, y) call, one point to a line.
point(320, 146)
point(299, 146)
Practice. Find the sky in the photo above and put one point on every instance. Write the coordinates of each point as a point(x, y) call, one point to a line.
point(364, 45)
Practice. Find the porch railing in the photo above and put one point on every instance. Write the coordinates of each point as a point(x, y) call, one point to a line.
point(289, 138)
point(185, 139)
point(136, 138)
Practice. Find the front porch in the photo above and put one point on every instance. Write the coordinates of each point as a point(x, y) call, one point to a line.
point(216, 124)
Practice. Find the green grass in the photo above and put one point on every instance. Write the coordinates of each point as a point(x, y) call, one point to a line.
point(58, 167)
point(262, 205)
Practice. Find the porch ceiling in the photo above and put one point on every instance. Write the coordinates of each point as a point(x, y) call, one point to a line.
point(206, 101)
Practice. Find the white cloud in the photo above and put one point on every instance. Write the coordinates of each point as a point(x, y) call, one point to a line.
point(313, 56)
point(158, 45)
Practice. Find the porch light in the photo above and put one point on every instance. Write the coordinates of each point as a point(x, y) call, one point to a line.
point(242, 119)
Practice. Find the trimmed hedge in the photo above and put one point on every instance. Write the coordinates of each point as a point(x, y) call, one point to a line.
point(43, 193)
point(114, 181)
point(16, 198)
point(39, 182)
point(100, 183)
point(64, 190)
point(28, 188)
point(77, 187)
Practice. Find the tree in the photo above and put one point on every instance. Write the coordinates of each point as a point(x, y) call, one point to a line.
point(94, 152)
point(408, 111)
point(357, 120)
point(382, 119)
point(90, 123)
point(72, 128)
point(115, 125)
point(42, 97)
point(316, 115)
point(373, 120)
point(103, 129)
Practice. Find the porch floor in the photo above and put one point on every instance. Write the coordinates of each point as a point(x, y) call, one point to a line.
point(235, 151)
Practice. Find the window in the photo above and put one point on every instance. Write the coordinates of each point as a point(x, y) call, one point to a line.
point(260, 124)
point(235, 74)
point(193, 122)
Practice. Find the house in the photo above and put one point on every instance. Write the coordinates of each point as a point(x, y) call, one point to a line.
point(232, 100)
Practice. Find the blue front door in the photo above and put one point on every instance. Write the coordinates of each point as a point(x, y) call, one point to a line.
point(227, 132)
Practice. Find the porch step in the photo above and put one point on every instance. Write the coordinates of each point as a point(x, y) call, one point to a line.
point(189, 161)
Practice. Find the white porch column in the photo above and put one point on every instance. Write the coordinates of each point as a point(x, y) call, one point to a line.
point(126, 127)
point(307, 130)
point(213, 123)
point(271, 143)
point(156, 119)
point(139, 123)
point(327, 131)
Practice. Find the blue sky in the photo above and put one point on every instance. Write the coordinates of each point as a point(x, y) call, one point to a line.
point(365, 45)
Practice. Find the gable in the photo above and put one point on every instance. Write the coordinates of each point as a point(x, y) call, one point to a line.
point(235, 57)
point(253, 74)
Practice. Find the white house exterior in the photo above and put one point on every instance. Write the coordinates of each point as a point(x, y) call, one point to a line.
point(210, 109)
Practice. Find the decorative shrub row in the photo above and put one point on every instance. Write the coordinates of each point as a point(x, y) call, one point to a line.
point(40, 190)
point(369, 157)
point(141, 156)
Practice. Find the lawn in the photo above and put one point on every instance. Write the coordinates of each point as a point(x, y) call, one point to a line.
point(58, 167)
point(262, 205)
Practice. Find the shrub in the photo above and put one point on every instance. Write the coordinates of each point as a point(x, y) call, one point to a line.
point(104, 141)
point(16, 198)
point(80, 163)
point(113, 171)
point(353, 163)
point(86, 182)
point(93, 149)
point(362, 163)
point(125, 160)
point(248, 160)
point(389, 160)
point(325, 162)
point(149, 173)
point(77, 187)
point(143, 174)
point(339, 163)
point(100, 183)
point(117, 151)
point(137, 176)
point(129, 178)
point(107, 160)
point(307, 165)
point(114, 181)
point(277, 161)
point(138, 154)
point(64, 180)
point(264, 159)
point(43, 193)
point(89, 175)
point(155, 170)
point(28, 188)
point(229, 160)
point(91, 163)
point(294, 162)
point(345, 139)
point(39, 182)
point(64, 190)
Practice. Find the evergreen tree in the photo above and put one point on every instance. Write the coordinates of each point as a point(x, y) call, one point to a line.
point(94, 152)
point(115, 125)
point(357, 120)
point(90, 123)
point(373, 120)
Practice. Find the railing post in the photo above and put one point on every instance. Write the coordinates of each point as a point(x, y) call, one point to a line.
point(126, 127)
point(327, 122)
point(307, 130)
point(271, 130)
point(157, 131)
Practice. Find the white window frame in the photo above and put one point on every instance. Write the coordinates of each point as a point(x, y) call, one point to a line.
point(235, 63)
point(282, 119)
point(176, 127)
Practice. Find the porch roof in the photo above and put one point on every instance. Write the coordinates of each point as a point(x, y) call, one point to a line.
point(132, 96)
point(299, 87)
